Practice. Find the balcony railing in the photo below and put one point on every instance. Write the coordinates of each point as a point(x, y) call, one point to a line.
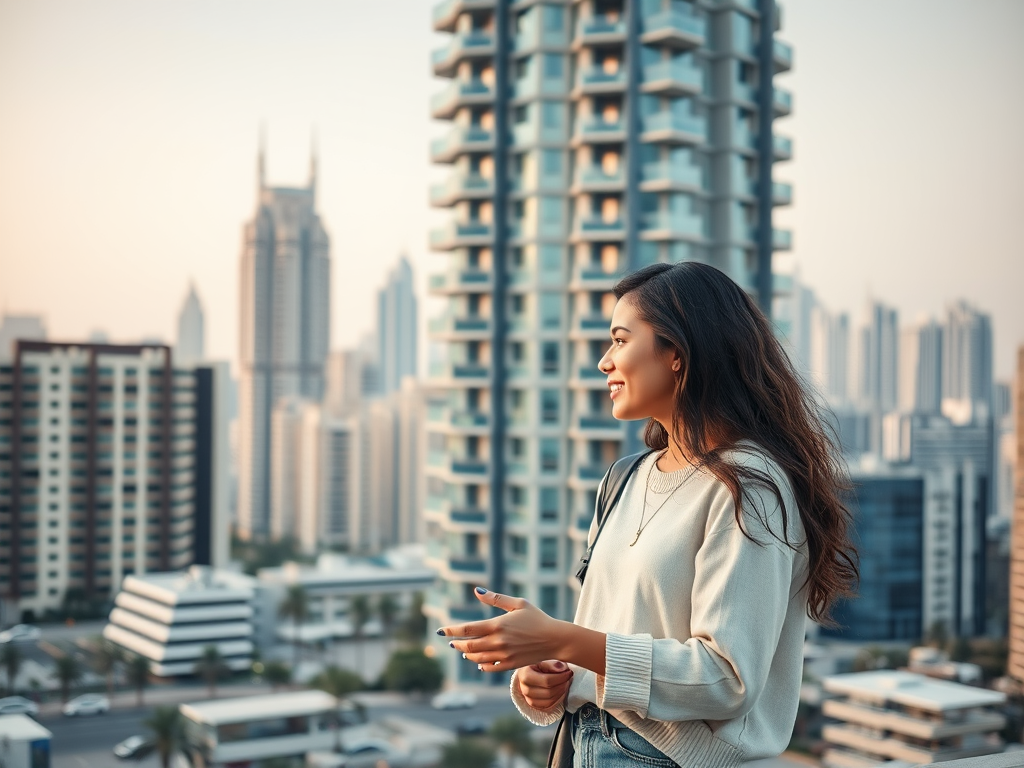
point(782, 239)
point(459, 371)
point(449, 324)
point(469, 139)
point(443, 104)
point(782, 101)
point(674, 27)
point(782, 55)
point(673, 76)
point(461, 185)
point(596, 76)
point(597, 224)
point(595, 175)
point(468, 43)
point(667, 172)
point(601, 26)
point(460, 279)
point(782, 193)
point(454, 234)
point(783, 147)
point(675, 224)
point(597, 128)
point(667, 121)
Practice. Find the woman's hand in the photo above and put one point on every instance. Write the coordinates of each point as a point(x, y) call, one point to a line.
point(544, 685)
point(525, 635)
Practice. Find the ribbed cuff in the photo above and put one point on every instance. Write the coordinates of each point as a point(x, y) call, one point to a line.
point(535, 716)
point(626, 683)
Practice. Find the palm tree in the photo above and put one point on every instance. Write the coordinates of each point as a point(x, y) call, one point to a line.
point(10, 658)
point(387, 609)
point(359, 613)
point(339, 683)
point(512, 734)
point(138, 675)
point(277, 674)
point(165, 726)
point(68, 671)
point(105, 661)
point(295, 606)
point(211, 668)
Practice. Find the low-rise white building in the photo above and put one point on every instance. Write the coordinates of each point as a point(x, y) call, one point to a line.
point(170, 618)
point(897, 715)
point(332, 583)
point(256, 728)
point(24, 743)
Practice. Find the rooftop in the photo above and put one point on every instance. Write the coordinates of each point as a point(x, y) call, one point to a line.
point(912, 690)
point(21, 728)
point(242, 710)
point(196, 585)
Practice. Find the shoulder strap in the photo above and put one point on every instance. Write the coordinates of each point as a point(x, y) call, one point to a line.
point(611, 489)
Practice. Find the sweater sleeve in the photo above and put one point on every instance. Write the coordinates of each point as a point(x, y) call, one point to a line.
point(740, 599)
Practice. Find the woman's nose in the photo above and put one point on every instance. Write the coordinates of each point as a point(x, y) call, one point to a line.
point(604, 365)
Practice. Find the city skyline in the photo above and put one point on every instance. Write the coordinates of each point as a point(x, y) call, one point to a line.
point(170, 141)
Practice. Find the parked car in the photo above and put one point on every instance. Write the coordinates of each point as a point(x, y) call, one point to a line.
point(361, 752)
point(20, 633)
point(134, 748)
point(473, 726)
point(454, 700)
point(87, 704)
point(18, 705)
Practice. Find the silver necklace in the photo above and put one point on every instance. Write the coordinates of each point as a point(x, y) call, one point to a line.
point(647, 487)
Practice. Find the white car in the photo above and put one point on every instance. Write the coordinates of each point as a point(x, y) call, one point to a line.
point(454, 700)
point(87, 704)
point(18, 705)
point(361, 752)
point(20, 633)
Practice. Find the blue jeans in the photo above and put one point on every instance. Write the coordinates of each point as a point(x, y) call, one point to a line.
point(601, 741)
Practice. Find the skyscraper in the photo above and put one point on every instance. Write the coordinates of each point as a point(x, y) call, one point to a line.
point(191, 347)
point(920, 361)
point(285, 323)
point(587, 140)
point(396, 327)
point(967, 363)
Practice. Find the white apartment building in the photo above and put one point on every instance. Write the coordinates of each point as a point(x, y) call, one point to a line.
point(170, 618)
point(895, 715)
point(112, 463)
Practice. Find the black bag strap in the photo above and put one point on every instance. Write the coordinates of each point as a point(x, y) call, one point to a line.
point(611, 489)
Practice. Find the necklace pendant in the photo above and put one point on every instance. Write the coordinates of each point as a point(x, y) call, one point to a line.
point(636, 539)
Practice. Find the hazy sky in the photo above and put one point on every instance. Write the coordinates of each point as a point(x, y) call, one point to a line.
point(128, 136)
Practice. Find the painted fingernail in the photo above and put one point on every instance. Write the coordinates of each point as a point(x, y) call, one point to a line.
point(463, 655)
point(440, 632)
point(559, 666)
point(481, 591)
point(480, 667)
point(451, 644)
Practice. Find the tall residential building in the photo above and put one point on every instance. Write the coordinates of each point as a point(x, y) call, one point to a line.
point(110, 465)
point(285, 323)
point(920, 368)
point(588, 139)
point(1015, 663)
point(396, 327)
point(967, 364)
point(878, 353)
point(191, 345)
point(829, 340)
point(14, 327)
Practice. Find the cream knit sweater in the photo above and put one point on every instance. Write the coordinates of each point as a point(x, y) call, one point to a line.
point(705, 628)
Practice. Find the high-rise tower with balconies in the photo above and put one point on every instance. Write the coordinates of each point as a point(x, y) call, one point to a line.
point(587, 139)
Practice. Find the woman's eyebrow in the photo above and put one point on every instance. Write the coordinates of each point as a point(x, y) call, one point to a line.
point(619, 328)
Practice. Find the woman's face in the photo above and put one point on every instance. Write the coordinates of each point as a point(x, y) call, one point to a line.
point(641, 377)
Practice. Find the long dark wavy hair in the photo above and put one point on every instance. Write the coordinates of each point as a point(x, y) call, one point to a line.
point(737, 384)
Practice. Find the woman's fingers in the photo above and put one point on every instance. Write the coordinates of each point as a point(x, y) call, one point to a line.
point(504, 602)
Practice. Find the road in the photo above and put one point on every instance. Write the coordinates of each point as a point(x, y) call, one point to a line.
point(87, 742)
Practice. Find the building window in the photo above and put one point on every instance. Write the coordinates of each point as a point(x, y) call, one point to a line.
point(549, 552)
point(549, 357)
point(548, 504)
point(549, 600)
point(549, 406)
point(548, 455)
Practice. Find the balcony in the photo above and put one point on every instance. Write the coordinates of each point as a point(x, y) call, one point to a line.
point(591, 327)
point(461, 186)
point(460, 141)
point(782, 102)
point(596, 179)
point(783, 147)
point(668, 128)
point(457, 235)
point(782, 193)
point(458, 94)
point(597, 80)
point(460, 327)
point(600, 29)
point(591, 374)
point(672, 78)
point(782, 240)
point(467, 564)
point(667, 225)
point(460, 281)
point(593, 277)
point(446, 13)
point(463, 374)
point(468, 466)
point(782, 56)
point(595, 130)
point(671, 28)
point(590, 473)
point(596, 228)
point(467, 45)
point(667, 176)
point(596, 428)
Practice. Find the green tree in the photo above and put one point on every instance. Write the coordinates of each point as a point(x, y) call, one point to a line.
point(387, 609)
point(277, 674)
point(211, 668)
point(67, 671)
point(165, 727)
point(409, 670)
point(295, 606)
point(137, 670)
point(960, 649)
point(414, 627)
point(938, 634)
point(512, 734)
point(359, 614)
point(10, 658)
point(467, 753)
point(339, 683)
point(105, 661)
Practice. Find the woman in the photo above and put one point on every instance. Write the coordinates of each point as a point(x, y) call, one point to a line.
point(687, 645)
